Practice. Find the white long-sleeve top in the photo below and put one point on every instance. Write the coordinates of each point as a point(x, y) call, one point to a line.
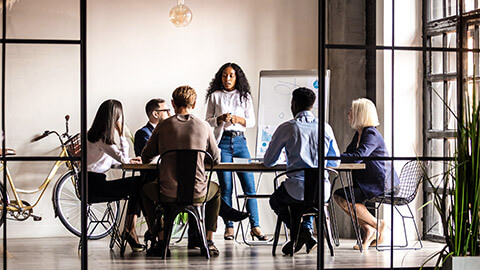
point(101, 156)
point(221, 102)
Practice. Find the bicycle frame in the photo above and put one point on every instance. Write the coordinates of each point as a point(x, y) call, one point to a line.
point(43, 187)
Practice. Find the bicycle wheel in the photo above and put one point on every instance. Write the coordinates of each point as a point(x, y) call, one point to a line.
point(3, 213)
point(101, 216)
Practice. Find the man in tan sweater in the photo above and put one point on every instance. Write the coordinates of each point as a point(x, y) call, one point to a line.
point(183, 131)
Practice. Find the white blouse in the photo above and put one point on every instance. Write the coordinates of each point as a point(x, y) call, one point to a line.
point(221, 102)
point(101, 156)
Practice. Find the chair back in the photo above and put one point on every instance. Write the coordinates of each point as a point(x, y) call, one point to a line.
point(410, 177)
point(311, 177)
point(310, 195)
point(184, 169)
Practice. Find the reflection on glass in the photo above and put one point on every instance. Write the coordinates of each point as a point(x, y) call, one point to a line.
point(437, 59)
point(451, 8)
point(437, 149)
point(451, 62)
point(452, 104)
point(469, 5)
point(451, 147)
point(435, 10)
point(437, 105)
point(470, 45)
point(437, 63)
point(451, 40)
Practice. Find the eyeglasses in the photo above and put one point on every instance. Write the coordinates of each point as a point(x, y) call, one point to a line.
point(162, 110)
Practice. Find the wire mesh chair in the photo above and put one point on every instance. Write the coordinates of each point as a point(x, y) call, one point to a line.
point(111, 217)
point(410, 177)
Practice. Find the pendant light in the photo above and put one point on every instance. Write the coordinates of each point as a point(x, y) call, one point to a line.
point(180, 15)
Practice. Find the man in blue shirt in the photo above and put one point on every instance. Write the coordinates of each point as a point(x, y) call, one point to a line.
point(157, 110)
point(299, 137)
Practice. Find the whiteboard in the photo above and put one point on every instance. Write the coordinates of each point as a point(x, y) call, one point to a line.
point(274, 98)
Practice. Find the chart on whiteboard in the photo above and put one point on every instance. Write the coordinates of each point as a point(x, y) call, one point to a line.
point(275, 95)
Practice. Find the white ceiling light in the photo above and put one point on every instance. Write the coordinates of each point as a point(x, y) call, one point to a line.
point(9, 4)
point(180, 15)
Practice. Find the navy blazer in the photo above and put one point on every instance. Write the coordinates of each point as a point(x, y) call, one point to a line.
point(141, 137)
point(374, 180)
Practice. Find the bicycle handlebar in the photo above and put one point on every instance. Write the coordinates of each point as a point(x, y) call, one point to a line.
point(39, 137)
point(48, 132)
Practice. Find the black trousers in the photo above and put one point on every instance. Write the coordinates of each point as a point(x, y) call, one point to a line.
point(101, 190)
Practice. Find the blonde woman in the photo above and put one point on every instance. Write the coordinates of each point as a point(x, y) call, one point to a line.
point(373, 180)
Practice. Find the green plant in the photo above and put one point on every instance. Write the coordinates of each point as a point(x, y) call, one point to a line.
point(457, 198)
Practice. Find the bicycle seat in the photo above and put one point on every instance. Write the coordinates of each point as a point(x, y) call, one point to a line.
point(8, 152)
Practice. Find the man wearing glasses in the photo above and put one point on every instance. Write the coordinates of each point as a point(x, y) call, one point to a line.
point(157, 111)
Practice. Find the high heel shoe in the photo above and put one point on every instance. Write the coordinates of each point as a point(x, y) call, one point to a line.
point(260, 237)
point(136, 247)
point(228, 235)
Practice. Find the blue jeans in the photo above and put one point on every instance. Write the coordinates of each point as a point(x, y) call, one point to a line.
point(237, 147)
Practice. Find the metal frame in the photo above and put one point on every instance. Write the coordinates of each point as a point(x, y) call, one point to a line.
point(82, 43)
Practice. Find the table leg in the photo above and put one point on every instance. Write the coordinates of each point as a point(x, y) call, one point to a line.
point(351, 207)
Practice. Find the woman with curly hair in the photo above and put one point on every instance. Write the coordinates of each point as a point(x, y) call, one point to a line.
point(230, 113)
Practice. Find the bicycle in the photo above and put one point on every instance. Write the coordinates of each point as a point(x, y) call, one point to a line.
point(102, 217)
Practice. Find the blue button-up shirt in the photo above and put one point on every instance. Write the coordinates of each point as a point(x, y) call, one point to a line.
point(299, 137)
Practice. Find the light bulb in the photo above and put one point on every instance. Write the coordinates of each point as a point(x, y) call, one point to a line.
point(180, 15)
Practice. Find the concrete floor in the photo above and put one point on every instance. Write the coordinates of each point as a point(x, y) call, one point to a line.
point(61, 253)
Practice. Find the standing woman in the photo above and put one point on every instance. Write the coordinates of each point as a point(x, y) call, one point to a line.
point(102, 153)
point(375, 178)
point(230, 113)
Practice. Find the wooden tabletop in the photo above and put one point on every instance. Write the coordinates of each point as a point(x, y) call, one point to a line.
point(250, 167)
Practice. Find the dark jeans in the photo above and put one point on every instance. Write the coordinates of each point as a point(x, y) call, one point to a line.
point(212, 206)
point(101, 190)
point(279, 202)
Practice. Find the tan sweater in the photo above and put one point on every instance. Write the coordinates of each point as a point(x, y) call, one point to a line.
point(181, 132)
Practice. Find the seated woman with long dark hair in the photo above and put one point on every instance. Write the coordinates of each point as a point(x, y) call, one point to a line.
point(373, 180)
point(102, 153)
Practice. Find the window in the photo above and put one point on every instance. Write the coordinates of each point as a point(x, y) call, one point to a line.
point(447, 24)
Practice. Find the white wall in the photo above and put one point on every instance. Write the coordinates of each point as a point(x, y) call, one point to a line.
point(407, 95)
point(134, 54)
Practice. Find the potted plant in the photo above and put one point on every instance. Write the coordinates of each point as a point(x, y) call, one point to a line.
point(457, 198)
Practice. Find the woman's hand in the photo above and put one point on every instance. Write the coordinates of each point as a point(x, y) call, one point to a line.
point(235, 119)
point(136, 160)
point(226, 117)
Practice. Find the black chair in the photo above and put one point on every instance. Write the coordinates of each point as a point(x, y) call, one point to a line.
point(410, 177)
point(106, 220)
point(184, 170)
point(306, 208)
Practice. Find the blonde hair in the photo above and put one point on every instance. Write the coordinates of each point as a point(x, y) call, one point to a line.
point(184, 96)
point(364, 114)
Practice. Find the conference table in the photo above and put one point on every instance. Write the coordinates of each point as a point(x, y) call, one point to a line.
point(344, 170)
point(246, 167)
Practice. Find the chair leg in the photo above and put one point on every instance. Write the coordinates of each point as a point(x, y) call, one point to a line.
point(201, 229)
point(167, 231)
point(295, 220)
point(328, 230)
point(405, 246)
point(334, 226)
point(276, 236)
point(416, 228)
